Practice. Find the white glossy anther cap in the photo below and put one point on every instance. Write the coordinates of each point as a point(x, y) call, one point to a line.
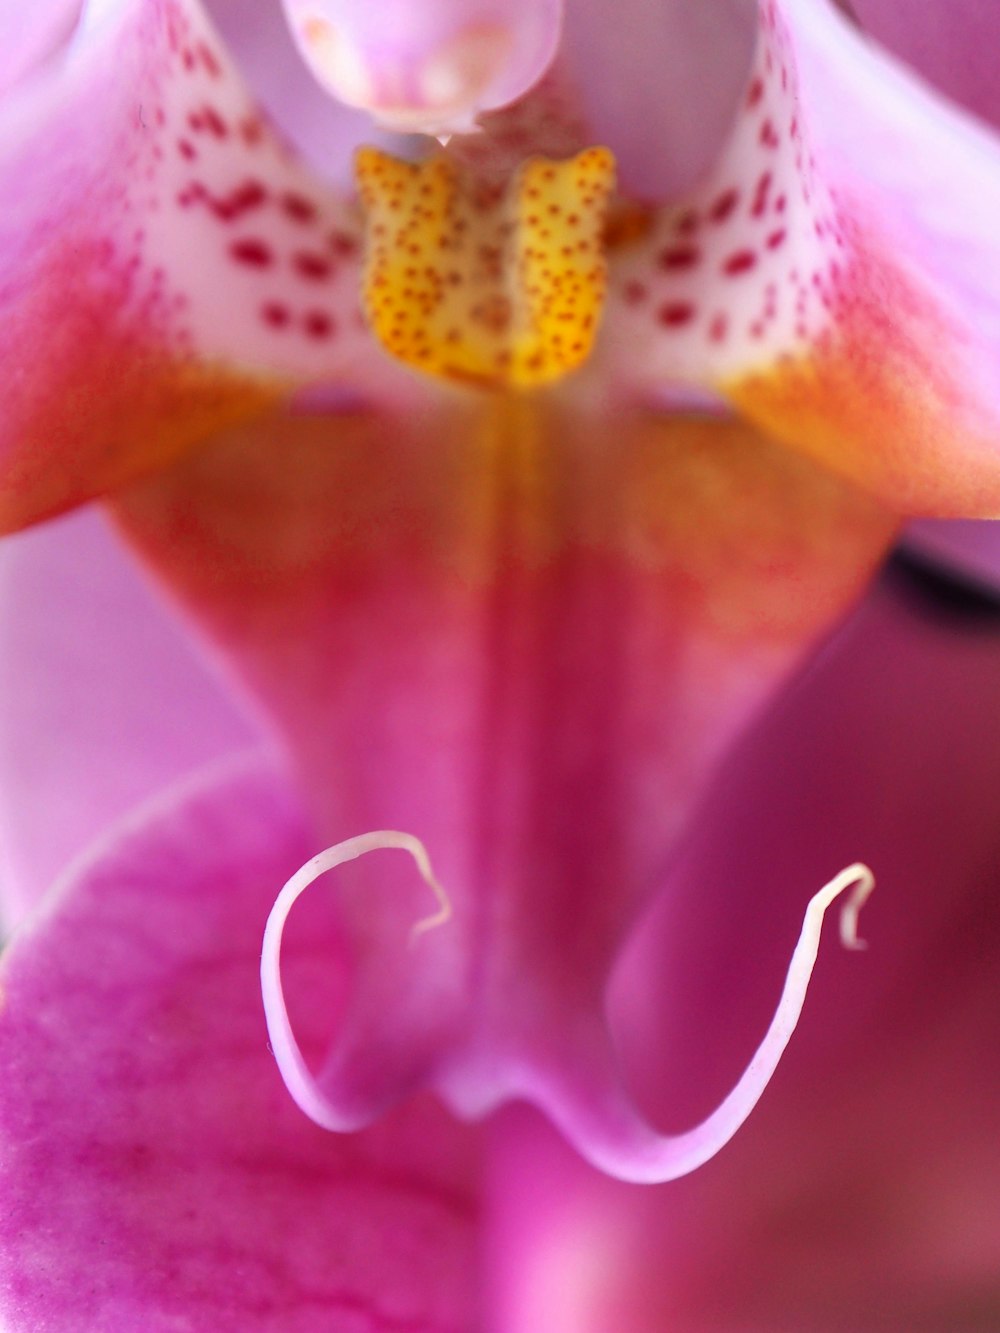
point(429, 66)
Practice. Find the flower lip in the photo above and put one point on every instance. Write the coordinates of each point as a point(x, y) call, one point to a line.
point(588, 1103)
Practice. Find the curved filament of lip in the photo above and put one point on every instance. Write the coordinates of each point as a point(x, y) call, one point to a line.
point(580, 1087)
point(301, 1084)
point(597, 1116)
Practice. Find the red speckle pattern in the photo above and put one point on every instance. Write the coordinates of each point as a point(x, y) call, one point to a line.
point(748, 266)
point(254, 260)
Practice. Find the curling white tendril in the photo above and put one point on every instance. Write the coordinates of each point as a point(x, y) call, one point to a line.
point(291, 1063)
point(591, 1107)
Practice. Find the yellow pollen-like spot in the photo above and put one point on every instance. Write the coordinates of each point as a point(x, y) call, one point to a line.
point(482, 284)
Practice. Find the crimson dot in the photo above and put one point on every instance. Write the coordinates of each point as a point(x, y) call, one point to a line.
point(275, 314)
point(675, 314)
point(724, 205)
point(342, 244)
point(255, 254)
point(318, 324)
point(213, 122)
point(740, 262)
point(679, 257)
point(297, 207)
point(310, 265)
point(208, 60)
point(768, 136)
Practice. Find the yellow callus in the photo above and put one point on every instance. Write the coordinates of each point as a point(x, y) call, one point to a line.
point(477, 282)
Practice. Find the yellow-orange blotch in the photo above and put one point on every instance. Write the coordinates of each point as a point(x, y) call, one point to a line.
point(478, 282)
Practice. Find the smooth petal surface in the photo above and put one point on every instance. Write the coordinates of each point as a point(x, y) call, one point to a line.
point(659, 82)
point(952, 43)
point(963, 549)
point(107, 703)
point(167, 268)
point(526, 649)
point(834, 275)
point(323, 131)
point(861, 1194)
point(154, 1173)
point(32, 35)
point(427, 65)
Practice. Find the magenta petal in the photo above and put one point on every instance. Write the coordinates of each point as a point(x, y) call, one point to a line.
point(834, 274)
point(952, 43)
point(488, 630)
point(153, 1171)
point(167, 268)
point(861, 1195)
point(969, 549)
point(660, 82)
point(107, 703)
point(324, 132)
point(33, 35)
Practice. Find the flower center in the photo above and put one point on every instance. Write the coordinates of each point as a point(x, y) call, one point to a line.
point(473, 281)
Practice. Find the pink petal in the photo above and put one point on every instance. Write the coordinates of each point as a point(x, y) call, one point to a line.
point(526, 649)
point(832, 276)
point(861, 1195)
point(660, 82)
point(33, 35)
point(952, 43)
point(966, 549)
point(168, 269)
point(427, 65)
point(324, 132)
point(106, 702)
point(154, 1174)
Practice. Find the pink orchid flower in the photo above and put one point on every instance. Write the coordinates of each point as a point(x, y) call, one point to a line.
point(480, 572)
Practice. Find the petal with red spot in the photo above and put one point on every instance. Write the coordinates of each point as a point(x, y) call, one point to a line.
point(167, 268)
point(839, 287)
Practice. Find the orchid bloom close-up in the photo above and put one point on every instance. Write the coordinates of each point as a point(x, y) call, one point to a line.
point(429, 749)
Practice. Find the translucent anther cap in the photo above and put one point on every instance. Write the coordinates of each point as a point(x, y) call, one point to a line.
point(428, 66)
